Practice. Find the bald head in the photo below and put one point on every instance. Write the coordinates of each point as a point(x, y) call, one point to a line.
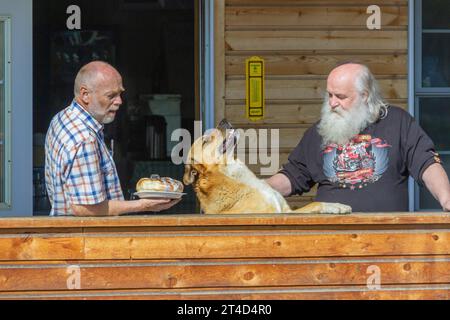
point(353, 101)
point(93, 74)
point(347, 83)
point(346, 75)
point(98, 89)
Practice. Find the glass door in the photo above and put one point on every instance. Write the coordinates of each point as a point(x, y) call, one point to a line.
point(153, 45)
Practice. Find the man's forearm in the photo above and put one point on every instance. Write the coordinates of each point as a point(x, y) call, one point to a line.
point(281, 183)
point(436, 181)
point(107, 208)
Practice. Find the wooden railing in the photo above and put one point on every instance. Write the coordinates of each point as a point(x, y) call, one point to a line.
point(357, 256)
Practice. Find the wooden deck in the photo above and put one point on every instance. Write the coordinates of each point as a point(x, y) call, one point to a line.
point(227, 257)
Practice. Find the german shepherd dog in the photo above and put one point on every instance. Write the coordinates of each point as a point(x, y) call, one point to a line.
point(225, 185)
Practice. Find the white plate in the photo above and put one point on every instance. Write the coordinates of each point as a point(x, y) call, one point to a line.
point(159, 194)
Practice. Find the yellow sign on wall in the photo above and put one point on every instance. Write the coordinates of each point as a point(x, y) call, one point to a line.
point(255, 88)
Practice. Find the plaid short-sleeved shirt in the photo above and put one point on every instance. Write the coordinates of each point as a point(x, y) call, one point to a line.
point(78, 166)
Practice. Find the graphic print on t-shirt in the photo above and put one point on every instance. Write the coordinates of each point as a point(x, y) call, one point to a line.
point(356, 164)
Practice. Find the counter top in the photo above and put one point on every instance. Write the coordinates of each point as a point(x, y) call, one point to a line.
point(154, 220)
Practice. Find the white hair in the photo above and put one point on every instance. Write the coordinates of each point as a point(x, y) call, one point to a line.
point(366, 83)
point(85, 77)
point(339, 125)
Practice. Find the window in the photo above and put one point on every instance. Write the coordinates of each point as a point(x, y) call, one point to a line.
point(432, 85)
point(5, 111)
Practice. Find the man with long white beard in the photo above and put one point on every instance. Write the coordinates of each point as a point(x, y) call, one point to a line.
point(80, 174)
point(362, 151)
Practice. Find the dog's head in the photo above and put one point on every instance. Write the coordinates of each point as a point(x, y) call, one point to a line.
point(215, 147)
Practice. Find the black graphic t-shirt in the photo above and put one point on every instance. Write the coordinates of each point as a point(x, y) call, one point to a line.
point(370, 173)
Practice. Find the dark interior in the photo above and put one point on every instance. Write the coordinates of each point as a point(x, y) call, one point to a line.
point(152, 44)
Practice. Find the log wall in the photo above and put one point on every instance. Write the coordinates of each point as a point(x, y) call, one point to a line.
point(301, 41)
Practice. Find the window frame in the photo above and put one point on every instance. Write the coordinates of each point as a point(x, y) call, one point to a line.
point(418, 90)
point(7, 165)
point(206, 63)
point(419, 31)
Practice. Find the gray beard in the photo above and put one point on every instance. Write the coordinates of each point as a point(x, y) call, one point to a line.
point(99, 114)
point(339, 127)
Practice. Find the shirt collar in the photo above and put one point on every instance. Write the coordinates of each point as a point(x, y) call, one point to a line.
point(86, 117)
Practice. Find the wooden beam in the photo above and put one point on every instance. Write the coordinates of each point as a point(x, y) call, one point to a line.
point(173, 221)
point(315, 39)
point(424, 292)
point(98, 275)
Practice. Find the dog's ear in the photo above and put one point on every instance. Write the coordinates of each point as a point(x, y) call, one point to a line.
point(190, 174)
point(224, 125)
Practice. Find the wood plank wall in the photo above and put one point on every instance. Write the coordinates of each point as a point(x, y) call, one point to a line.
point(301, 41)
point(226, 257)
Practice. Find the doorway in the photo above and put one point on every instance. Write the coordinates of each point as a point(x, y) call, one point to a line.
point(152, 44)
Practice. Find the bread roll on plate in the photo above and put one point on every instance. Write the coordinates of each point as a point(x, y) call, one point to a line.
point(159, 184)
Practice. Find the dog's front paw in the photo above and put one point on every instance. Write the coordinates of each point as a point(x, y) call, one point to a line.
point(335, 208)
